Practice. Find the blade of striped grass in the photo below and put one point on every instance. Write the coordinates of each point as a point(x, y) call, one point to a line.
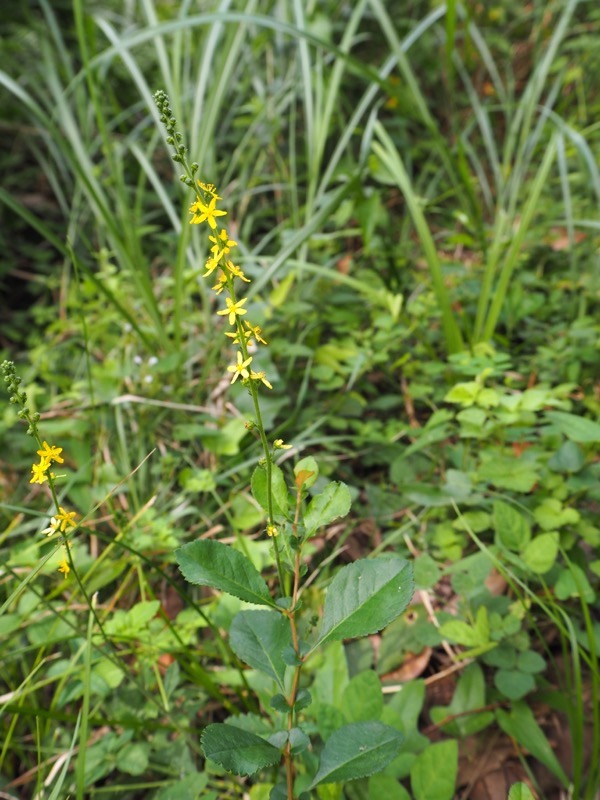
point(390, 157)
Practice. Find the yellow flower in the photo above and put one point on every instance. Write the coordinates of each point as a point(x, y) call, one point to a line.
point(206, 213)
point(279, 445)
point(51, 453)
point(220, 284)
point(222, 244)
point(235, 270)
point(233, 309)
point(210, 188)
point(260, 376)
point(52, 528)
point(66, 518)
point(210, 266)
point(236, 337)
point(240, 368)
point(64, 567)
point(255, 331)
point(39, 471)
point(272, 530)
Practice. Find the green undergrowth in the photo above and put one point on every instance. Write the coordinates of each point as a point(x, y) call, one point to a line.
point(414, 191)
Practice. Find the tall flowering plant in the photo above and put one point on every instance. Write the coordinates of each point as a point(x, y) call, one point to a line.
point(62, 522)
point(276, 638)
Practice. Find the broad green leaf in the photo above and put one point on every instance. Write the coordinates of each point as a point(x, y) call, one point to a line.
point(551, 515)
point(520, 791)
point(333, 502)
point(469, 696)
point(426, 571)
point(530, 661)
point(540, 554)
point(506, 472)
point(236, 750)
point(458, 632)
point(133, 758)
point(363, 698)
point(513, 683)
point(188, 788)
point(574, 427)
point(278, 487)
point(258, 638)
point(511, 527)
point(364, 597)
point(520, 724)
point(568, 458)
point(572, 582)
point(433, 774)
point(357, 751)
point(386, 786)
point(306, 465)
point(209, 563)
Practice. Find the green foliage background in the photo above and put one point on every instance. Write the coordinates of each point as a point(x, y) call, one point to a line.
point(415, 189)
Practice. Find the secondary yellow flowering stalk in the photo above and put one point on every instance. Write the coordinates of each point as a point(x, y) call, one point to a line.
point(41, 471)
point(230, 280)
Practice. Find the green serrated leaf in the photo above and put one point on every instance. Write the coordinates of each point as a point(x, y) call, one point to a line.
point(428, 778)
point(364, 597)
point(209, 563)
point(333, 502)
point(511, 527)
point(258, 638)
point(357, 751)
point(236, 750)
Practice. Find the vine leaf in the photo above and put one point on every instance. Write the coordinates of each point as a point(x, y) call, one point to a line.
point(209, 563)
point(364, 597)
point(356, 751)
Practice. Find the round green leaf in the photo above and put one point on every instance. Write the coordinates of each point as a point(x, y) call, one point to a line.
point(513, 683)
point(540, 554)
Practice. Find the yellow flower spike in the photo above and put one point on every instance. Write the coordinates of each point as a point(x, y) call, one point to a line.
point(222, 244)
point(51, 453)
point(66, 518)
point(64, 567)
point(260, 376)
point(240, 368)
point(206, 213)
point(278, 444)
point(272, 530)
point(39, 471)
point(235, 270)
point(255, 331)
point(233, 309)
